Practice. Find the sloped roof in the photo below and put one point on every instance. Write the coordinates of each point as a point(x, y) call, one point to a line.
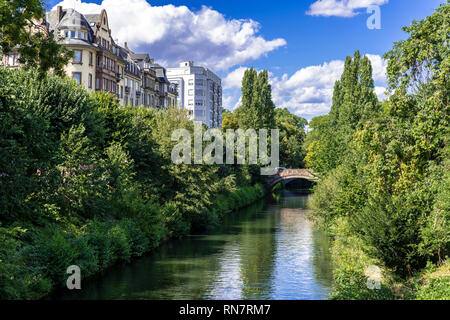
point(92, 18)
point(70, 19)
point(160, 72)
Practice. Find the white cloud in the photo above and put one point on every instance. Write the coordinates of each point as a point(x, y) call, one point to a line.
point(381, 93)
point(234, 78)
point(341, 8)
point(175, 33)
point(378, 66)
point(309, 91)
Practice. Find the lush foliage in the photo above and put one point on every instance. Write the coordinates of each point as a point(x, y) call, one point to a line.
point(86, 181)
point(258, 109)
point(385, 167)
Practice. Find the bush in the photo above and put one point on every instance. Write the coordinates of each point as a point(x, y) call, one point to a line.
point(139, 242)
point(54, 249)
point(120, 244)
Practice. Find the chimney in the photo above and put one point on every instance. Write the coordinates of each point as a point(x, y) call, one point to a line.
point(126, 47)
point(59, 13)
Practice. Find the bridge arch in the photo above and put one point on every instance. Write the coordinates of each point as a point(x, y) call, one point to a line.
point(290, 175)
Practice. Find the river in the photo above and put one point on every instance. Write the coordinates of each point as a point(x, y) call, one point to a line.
point(266, 251)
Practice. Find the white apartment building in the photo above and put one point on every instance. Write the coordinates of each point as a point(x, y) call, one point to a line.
point(199, 92)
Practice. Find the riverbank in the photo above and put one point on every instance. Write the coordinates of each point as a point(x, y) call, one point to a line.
point(96, 247)
point(358, 276)
point(102, 245)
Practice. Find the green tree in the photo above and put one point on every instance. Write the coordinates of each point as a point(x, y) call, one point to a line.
point(292, 136)
point(257, 110)
point(354, 100)
point(22, 29)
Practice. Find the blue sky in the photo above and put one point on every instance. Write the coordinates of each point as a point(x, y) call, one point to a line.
point(302, 51)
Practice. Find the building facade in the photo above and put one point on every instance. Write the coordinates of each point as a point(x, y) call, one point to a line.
point(99, 64)
point(149, 96)
point(132, 79)
point(172, 95)
point(161, 86)
point(199, 92)
point(96, 64)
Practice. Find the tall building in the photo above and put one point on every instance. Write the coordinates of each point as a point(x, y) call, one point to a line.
point(132, 79)
point(162, 86)
point(148, 78)
point(199, 92)
point(96, 63)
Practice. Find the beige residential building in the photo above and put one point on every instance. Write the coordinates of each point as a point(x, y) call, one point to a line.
point(96, 63)
point(172, 95)
point(149, 96)
point(132, 79)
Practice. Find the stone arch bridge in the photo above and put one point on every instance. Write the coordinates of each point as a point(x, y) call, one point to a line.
point(290, 174)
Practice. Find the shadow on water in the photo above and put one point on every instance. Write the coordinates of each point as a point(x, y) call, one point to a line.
point(266, 251)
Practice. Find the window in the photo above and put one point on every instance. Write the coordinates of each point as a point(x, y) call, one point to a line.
point(77, 76)
point(191, 92)
point(91, 58)
point(105, 85)
point(90, 81)
point(66, 33)
point(199, 93)
point(78, 54)
point(199, 82)
point(199, 113)
point(97, 83)
point(191, 102)
point(13, 59)
point(191, 82)
point(72, 34)
point(199, 103)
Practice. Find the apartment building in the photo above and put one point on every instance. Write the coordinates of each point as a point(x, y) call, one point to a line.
point(162, 86)
point(132, 79)
point(199, 92)
point(172, 95)
point(96, 63)
point(149, 95)
point(99, 64)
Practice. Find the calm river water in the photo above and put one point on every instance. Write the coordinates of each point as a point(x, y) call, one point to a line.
point(267, 251)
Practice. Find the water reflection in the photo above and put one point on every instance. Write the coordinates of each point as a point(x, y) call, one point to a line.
point(262, 252)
